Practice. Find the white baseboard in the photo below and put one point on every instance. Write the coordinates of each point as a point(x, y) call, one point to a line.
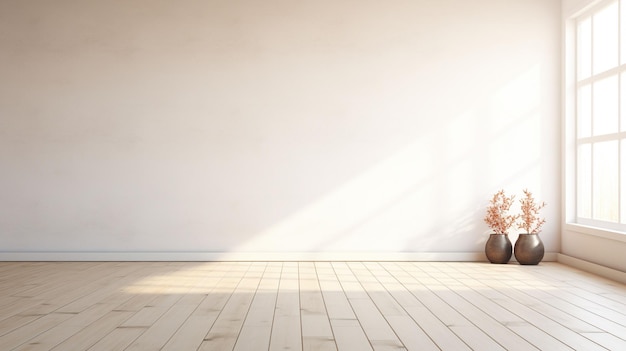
point(597, 269)
point(253, 256)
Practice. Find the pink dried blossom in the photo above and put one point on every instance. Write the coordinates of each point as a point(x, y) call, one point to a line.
point(531, 223)
point(498, 217)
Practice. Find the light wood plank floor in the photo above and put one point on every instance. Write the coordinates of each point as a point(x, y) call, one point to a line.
point(307, 306)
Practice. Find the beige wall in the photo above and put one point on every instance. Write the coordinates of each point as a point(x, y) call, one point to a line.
point(265, 126)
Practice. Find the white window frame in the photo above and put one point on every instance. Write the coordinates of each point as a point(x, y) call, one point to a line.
point(606, 229)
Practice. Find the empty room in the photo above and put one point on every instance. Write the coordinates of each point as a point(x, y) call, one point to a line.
point(312, 175)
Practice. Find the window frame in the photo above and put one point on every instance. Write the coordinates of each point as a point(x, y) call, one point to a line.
point(572, 141)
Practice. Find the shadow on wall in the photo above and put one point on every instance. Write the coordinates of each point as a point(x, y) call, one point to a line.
point(430, 195)
point(273, 126)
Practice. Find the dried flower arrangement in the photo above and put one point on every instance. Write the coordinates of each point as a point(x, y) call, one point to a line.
point(498, 217)
point(530, 221)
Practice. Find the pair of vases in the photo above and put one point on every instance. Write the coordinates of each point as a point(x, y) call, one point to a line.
point(529, 249)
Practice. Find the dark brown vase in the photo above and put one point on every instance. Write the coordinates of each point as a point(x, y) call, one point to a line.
point(498, 248)
point(529, 249)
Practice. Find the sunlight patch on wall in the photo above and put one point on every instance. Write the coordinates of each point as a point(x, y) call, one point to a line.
point(425, 194)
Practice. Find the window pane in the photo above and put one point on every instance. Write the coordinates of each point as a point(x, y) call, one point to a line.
point(623, 31)
point(584, 49)
point(622, 101)
point(623, 182)
point(605, 34)
point(583, 124)
point(605, 106)
point(605, 181)
point(583, 201)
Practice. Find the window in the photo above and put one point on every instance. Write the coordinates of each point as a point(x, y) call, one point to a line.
point(600, 122)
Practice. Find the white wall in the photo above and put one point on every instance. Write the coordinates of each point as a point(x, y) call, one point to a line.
point(274, 126)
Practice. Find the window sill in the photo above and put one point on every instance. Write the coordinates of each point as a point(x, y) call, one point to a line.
point(595, 231)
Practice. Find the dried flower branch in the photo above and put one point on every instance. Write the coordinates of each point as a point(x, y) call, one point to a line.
point(498, 217)
point(531, 222)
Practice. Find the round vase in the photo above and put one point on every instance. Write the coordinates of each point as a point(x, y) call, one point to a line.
point(498, 248)
point(529, 249)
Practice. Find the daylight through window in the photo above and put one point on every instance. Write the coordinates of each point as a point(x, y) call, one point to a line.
point(601, 116)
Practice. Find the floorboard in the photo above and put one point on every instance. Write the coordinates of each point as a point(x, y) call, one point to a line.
point(309, 306)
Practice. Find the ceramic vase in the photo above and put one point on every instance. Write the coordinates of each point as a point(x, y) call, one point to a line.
point(498, 248)
point(529, 249)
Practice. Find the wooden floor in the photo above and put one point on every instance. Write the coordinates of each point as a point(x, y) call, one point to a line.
point(307, 306)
